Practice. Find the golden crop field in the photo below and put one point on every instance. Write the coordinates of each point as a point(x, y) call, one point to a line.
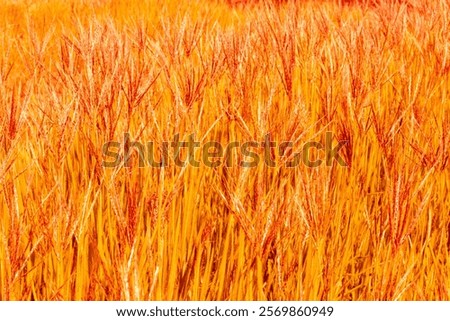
point(224, 150)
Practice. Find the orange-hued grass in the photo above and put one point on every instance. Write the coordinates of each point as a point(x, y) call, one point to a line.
point(76, 74)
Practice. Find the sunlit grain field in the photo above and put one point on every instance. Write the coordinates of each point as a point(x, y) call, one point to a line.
point(77, 75)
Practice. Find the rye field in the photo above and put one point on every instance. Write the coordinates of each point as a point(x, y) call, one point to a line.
point(224, 150)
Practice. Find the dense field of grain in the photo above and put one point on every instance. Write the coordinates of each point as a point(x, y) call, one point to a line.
point(75, 75)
